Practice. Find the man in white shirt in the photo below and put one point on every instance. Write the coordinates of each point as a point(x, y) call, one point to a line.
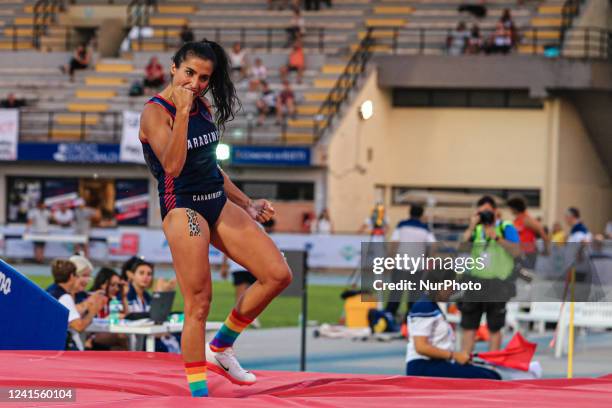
point(411, 237)
point(63, 216)
point(578, 232)
point(66, 283)
point(38, 223)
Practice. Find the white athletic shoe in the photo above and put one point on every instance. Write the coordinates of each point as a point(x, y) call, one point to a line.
point(225, 363)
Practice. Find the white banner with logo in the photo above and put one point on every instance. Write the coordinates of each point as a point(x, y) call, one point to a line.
point(9, 131)
point(131, 149)
point(324, 251)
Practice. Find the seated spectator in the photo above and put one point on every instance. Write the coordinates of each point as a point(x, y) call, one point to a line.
point(266, 105)
point(138, 299)
point(297, 28)
point(66, 284)
point(154, 75)
point(296, 63)
point(285, 103)
point(259, 72)
point(109, 284)
point(239, 60)
point(11, 102)
point(84, 269)
point(186, 34)
point(474, 45)
point(80, 60)
point(457, 41)
point(504, 37)
point(430, 351)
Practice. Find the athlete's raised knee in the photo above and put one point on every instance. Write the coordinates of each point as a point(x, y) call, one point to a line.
point(197, 306)
point(279, 276)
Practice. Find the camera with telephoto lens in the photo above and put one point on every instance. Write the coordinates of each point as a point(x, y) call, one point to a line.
point(487, 217)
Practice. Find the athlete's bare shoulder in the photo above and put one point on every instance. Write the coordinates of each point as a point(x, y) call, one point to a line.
point(154, 117)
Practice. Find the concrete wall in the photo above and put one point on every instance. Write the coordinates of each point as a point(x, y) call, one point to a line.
point(582, 179)
point(546, 149)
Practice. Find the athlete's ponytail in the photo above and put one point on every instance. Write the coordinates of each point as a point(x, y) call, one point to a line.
point(220, 84)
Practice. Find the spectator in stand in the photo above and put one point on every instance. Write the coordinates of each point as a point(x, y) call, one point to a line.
point(83, 217)
point(63, 215)
point(239, 60)
point(38, 223)
point(266, 105)
point(297, 27)
point(110, 284)
point(323, 225)
point(66, 283)
point(457, 41)
point(474, 44)
point(505, 35)
point(529, 229)
point(259, 72)
point(285, 102)
point(578, 231)
point(80, 60)
point(11, 102)
point(154, 76)
point(251, 97)
point(296, 62)
point(186, 34)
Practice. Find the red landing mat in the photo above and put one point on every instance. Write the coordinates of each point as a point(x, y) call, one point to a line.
point(131, 379)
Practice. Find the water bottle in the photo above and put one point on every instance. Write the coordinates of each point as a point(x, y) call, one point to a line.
point(114, 308)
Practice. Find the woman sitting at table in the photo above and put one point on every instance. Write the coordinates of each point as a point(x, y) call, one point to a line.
point(139, 299)
point(109, 283)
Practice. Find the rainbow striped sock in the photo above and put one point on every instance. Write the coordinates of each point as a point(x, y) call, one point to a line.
point(196, 377)
point(228, 333)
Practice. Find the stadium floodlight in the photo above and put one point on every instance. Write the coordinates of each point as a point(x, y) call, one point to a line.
point(223, 151)
point(366, 110)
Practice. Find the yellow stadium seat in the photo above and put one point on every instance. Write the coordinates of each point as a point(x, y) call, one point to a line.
point(76, 120)
point(176, 9)
point(117, 68)
point(167, 21)
point(388, 22)
point(392, 10)
point(105, 81)
point(87, 107)
point(93, 94)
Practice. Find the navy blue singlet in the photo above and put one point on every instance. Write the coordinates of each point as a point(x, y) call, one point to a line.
point(200, 184)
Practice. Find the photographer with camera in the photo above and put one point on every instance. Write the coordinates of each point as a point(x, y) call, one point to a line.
point(497, 242)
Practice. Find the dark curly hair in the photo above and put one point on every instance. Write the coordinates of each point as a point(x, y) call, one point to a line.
point(221, 87)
